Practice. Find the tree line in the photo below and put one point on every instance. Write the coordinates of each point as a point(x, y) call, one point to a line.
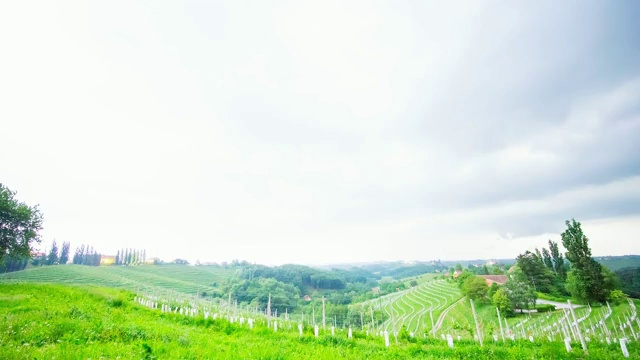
point(131, 257)
point(549, 271)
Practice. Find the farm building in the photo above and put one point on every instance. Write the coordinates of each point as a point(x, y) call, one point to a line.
point(107, 260)
point(498, 279)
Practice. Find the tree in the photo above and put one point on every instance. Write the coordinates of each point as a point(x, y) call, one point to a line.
point(587, 283)
point(535, 272)
point(475, 288)
point(559, 267)
point(64, 254)
point(502, 302)
point(53, 254)
point(20, 225)
point(78, 255)
point(546, 258)
point(520, 292)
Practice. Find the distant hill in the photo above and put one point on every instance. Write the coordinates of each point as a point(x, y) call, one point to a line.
point(619, 262)
point(175, 278)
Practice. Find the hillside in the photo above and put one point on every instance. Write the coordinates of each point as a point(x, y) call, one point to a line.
point(62, 321)
point(172, 278)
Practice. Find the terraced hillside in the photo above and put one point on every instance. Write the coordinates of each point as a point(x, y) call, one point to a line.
point(596, 324)
point(159, 278)
point(414, 307)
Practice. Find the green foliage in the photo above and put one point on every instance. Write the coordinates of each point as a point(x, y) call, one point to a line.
point(535, 271)
point(587, 282)
point(559, 265)
point(20, 225)
point(617, 297)
point(630, 281)
point(520, 293)
point(64, 253)
point(475, 288)
point(53, 254)
point(545, 308)
point(501, 300)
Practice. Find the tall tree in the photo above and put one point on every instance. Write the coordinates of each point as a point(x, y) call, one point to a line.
point(546, 257)
point(519, 291)
point(587, 280)
point(78, 255)
point(535, 272)
point(20, 225)
point(53, 254)
point(559, 266)
point(64, 253)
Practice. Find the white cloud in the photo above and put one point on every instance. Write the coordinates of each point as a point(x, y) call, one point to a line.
point(282, 133)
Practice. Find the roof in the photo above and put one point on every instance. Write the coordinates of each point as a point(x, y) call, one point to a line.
point(490, 279)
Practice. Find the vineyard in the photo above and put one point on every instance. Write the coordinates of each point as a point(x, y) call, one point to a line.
point(414, 308)
point(167, 278)
point(430, 311)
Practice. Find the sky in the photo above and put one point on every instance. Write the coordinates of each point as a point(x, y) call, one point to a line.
point(326, 131)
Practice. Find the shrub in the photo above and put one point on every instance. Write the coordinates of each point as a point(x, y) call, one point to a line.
point(545, 308)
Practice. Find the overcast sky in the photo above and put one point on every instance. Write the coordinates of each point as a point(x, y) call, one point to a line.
point(324, 132)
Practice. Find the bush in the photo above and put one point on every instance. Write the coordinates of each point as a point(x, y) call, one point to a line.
point(545, 308)
point(617, 297)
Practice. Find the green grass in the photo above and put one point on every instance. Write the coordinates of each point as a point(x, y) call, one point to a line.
point(411, 308)
point(159, 278)
point(46, 321)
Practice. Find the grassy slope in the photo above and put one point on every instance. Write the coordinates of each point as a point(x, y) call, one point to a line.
point(179, 278)
point(71, 322)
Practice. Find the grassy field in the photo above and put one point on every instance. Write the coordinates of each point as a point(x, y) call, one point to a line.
point(46, 321)
point(158, 278)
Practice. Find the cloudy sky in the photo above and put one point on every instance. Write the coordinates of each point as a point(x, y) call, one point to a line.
point(324, 132)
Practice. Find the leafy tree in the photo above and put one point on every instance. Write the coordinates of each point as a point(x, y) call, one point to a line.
point(617, 297)
point(53, 254)
point(458, 267)
point(20, 225)
point(475, 288)
point(78, 255)
point(559, 266)
point(535, 272)
point(501, 300)
point(9, 264)
point(546, 257)
point(64, 253)
point(630, 280)
point(520, 292)
point(587, 283)
point(493, 289)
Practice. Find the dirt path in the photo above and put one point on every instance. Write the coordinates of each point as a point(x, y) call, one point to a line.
point(444, 314)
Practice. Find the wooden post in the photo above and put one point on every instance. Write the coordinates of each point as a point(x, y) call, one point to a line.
point(582, 342)
point(324, 323)
point(372, 322)
point(393, 323)
point(475, 318)
point(433, 327)
point(500, 322)
point(269, 312)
